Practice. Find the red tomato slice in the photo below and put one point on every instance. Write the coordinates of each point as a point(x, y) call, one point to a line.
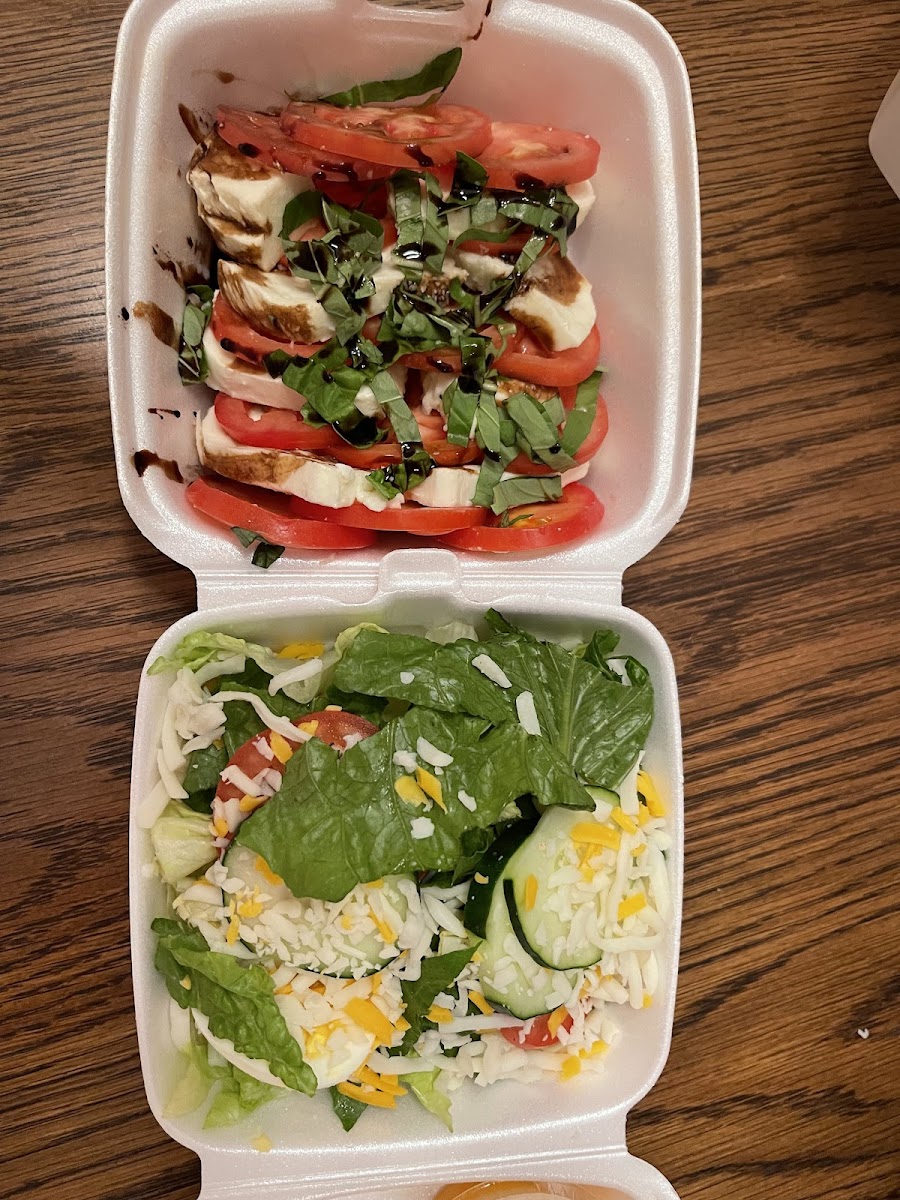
point(525, 358)
point(513, 245)
point(411, 518)
point(419, 137)
point(536, 1032)
point(520, 155)
point(370, 197)
point(271, 516)
point(273, 428)
point(445, 358)
point(238, 336)
point(259, 136)
point(536, 526)
point(522, 464)
point(335, 726)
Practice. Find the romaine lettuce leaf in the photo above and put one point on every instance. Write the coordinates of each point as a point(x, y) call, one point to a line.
point(338, 820)
point(237, 999)
point(197, 649)
point(237, 1094)
point(594, 721)
point(182, 842)
point(442, 676)
point(424, 1086)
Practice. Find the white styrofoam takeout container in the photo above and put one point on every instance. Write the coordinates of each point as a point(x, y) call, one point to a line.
point(604, 66)
point(884, 136)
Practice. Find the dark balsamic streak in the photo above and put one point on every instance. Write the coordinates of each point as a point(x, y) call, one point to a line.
point(147, 458)
point(191, 123)
point(164, 412)
point(162, 325)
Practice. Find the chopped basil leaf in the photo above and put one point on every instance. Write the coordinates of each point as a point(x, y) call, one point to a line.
point(245, 536)
point(581, 418)
point(537, 429)
point(265, 554)
point(531, 489)
point(300, 211)
point(192, 366)
point(488, 478)
point(460, 405)
point(401, 477)
point(435, 76)
point(488, 424)
point(390, 397)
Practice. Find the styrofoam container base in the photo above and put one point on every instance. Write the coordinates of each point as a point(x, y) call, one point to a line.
point(500, 1131)
point(603, 66)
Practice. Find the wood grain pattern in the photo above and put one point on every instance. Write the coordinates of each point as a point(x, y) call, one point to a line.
point(778, 593)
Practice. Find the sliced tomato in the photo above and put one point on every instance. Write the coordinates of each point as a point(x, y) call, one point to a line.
point(273, 428)
point(526, 358)
point(238, 336)
point(522, 464)
point(535, 526)
point(369, 197)
point(513, 245)
point(520, 155)
point(271, 516)
point(334, 726)
point(419, 137)
point(536, 1032)
point(410, 518)
point(445, 358)
point(260, 136)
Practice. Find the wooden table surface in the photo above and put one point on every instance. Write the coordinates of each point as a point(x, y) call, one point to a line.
point(777, 592)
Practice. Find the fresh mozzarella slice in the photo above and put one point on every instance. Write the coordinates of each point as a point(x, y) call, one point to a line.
point(243, 380)
point(242, 201)
point(555, 303)
point(483, 270)
point(434, 384)
point(316, 480)
point(584, 196)
point(447, 487)
point(256, 1068)
point(275, 303)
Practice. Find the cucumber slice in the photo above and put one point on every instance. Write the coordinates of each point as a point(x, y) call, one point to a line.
point(182, 842)
point(558, 922)
point(491, 867)
point(510, 978)
point(321, 943)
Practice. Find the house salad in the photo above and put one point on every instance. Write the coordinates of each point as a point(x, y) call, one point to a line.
point(397, 336)
point(396, 862)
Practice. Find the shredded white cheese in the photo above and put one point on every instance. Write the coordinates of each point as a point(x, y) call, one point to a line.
point(430, 754)
point(278, 724)
point(527, 714)
point(466, 800)
point(421, 828)
point(486, 665)
point(406, 676)
point(405, 759)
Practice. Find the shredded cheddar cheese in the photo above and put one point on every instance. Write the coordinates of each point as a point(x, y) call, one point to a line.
point(370, 1018)
point(302, 650)
point(570, 1068)
point(596, 835)
point(409, 791)
point(623, 820)
point(281, 747)
point(431, 786)
point(632, 904)
point(531, 891)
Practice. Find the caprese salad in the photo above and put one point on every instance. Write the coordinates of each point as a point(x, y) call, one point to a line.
point(398, 338)
point(396, 863)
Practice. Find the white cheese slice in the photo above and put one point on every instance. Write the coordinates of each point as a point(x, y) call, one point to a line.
point(331, 484)
point(276, 304)
point(243, 380)
point(434, 384)
point(242, 201)
point(584, 196)
point(555, 303)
